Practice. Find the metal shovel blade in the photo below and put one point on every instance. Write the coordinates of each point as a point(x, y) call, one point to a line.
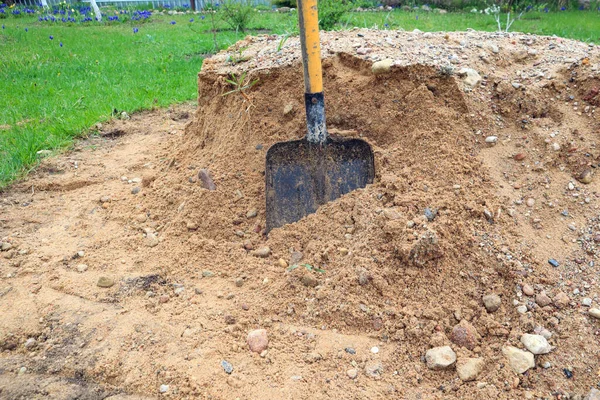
point(301, 176)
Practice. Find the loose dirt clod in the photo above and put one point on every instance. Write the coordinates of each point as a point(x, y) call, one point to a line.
point(392, 275)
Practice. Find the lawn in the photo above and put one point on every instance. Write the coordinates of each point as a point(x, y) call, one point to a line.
point(59, 79)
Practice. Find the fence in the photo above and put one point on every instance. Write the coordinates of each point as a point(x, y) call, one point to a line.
point(200, 4)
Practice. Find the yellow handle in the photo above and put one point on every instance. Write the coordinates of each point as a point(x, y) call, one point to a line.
point(308, 17)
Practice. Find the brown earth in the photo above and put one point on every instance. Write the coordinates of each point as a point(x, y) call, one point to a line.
point(188, 285)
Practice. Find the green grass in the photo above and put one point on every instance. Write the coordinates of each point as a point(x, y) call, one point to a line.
point(52, 94)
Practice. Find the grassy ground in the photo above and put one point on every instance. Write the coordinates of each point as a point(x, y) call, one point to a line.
point(52, 94)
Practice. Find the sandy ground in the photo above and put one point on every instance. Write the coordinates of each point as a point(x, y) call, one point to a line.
point(123, 277)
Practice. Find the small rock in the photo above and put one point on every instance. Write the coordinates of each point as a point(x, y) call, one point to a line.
point(206, 179)
point(440, 357)
point(227, 367)
point(22, 370)
point(520, 156)
point(82, 268)
point(282, 263)
point(257, 340)
point(5, 246)
point(517, 85)
point(522, 309)
point(105, 282)
point(530, 202)
point(528, 290)
point(163, 388)
point(164, 298)
point(105, 199)
point(352, 373)
point(469, 368)
point(594, 312)
point(570, 186)
point(465, 335)
point(492, 302)
point(542, 299)
point(561, 300)
point(430, 214)
point(546, 365)
point(350, 350)
point(151, 239)
point(594, 394)
point(586, 301)
point(135, 190)
point(239, 282)
point(585, 176)
point(491, 139)
point(309, 280)
point(536, 344)
point(262, 252)
point(207, 274)
point(363, 51)
point(470, 76)
point(555, 146)
point(382, 67)
point(553, 262)
point(252, 213)
point(519, 360)
point(374, 368)
point(288, 109)
point(30, 343)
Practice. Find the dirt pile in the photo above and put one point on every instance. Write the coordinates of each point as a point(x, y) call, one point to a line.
point(478, 187)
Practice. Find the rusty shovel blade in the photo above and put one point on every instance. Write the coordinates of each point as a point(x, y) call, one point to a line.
point(301, 176)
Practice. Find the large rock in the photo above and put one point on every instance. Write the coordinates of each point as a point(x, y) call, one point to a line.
point(382, 67)
point(440, 357)
point(258, 341)
point(537, 344)
point(518, 360)
point(465, 335)
point(469, 368)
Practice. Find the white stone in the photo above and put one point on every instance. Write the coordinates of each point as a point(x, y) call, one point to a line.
point(471, 77)
point(594, 312)
point(469, 368)
point(440, 357)
point(491, 139)
point(518, 360)
point(537, 344)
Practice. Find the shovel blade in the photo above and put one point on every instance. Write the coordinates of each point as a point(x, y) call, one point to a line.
point(301, 176)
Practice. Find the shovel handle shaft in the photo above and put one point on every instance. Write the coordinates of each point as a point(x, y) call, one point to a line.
point(308, 18)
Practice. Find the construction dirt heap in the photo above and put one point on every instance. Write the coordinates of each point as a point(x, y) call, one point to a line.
point(136, 266)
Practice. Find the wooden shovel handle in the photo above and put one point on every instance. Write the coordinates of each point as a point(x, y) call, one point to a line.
point(308, 17)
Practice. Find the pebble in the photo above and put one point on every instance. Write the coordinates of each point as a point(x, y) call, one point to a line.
point(252, 213)
point(262, 252)
point(206, 179)
point(530, 202)
point(207, 274)
point(469, 368)
point(492, 302)
point(570, 186)
point(546, 365)
point(82, 267)
point(105, 282)
point(374, 349)
point(561, 300)
point(22, 370)
point(440, 357)
point(374, 368)
point(586, 301)
point(536, 344)
point(382, 67)
point(135, 190)
point(528, 290)
point(163, 388)
point(517, 85)
point(283, 263)
point(6, 246)
point(519, 156)
point(239, 282)
point(585, 176)
point(350, 350)
point(309, 280)
point(258, 340)
point(470, 76)
point(594, 312)
point(352, 373)
point(518, 360)
point(227, 367)
point(465, 335)
point(30, 343)
point(491, 139)
point(553, 262)
point(555, 146)
point(542, 299)
point(522, 309)
point(430, 214)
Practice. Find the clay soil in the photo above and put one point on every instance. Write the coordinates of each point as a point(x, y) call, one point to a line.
point(189, 280)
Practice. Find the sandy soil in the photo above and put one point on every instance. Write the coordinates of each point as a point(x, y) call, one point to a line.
point(120, 273)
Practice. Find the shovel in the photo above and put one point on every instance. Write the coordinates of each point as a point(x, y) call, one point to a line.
point(303, 174)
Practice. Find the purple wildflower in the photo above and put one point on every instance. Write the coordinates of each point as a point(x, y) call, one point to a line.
point(135, 30)
point(60, 44)
point(51, 37)
point(191, 19)
point(173, 22)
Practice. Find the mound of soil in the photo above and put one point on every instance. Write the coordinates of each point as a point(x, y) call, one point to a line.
point(125, 272)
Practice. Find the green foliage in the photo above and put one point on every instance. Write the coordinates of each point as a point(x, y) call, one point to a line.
point(240, 84)
point(285, 3)
point(237, 13)
point(331, 12)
